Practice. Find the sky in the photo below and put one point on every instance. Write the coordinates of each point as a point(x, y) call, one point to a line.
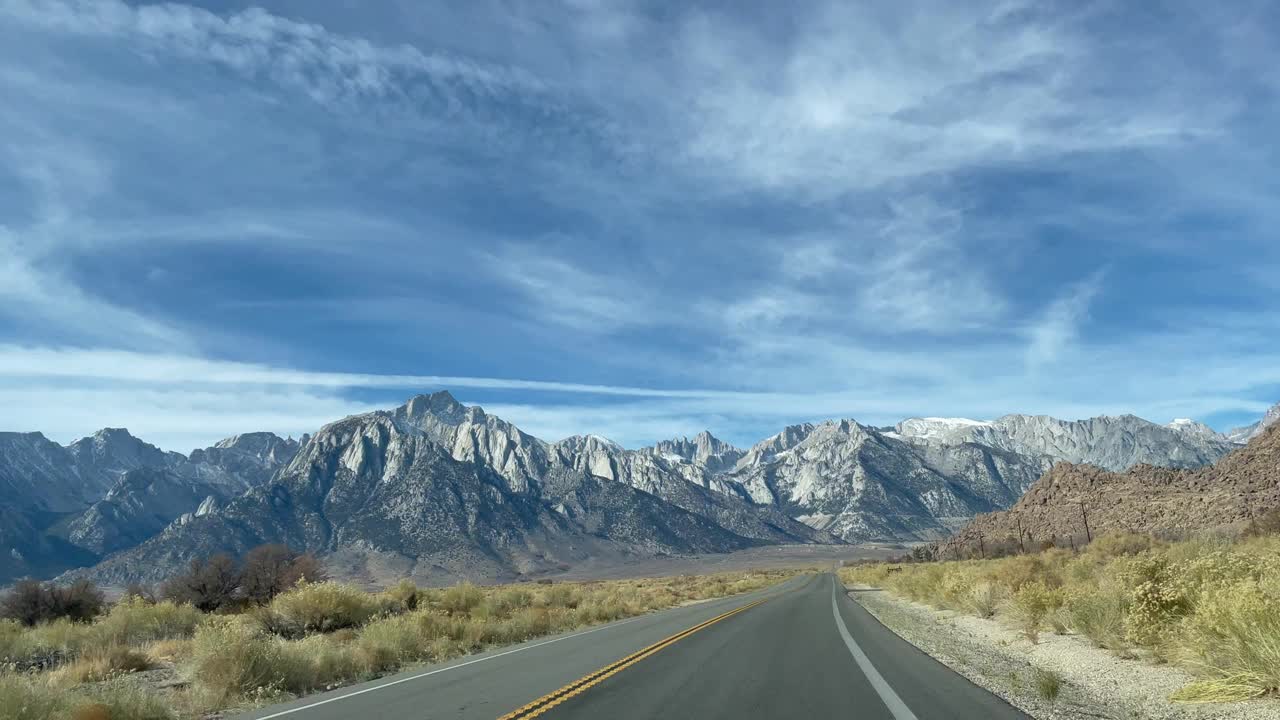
point(637, 220)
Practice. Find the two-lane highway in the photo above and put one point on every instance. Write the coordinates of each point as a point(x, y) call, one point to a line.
point(801, 648)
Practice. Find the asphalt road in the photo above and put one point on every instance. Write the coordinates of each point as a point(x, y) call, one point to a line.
point(798, 649)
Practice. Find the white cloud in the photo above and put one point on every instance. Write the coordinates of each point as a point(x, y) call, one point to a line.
point(561, 292)
point(859, 97)
point(185, 402)
point(329, 67)
point(1060, 324)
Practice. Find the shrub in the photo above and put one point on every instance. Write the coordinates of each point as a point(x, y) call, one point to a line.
point(1118, 544)
point(1048, 684)
point(135, 621)
point(1153, 609)
point(31, 602)
point(321, 607)
point(315, 663)
point(403, 596)
point(1263, 525)
point(983, 599)
point(24, 698)
point(1099, 614)
point(209, 584)
point(14, 642)
point(230, 658)
point(461, 599)
point(1031, 604)
point(1234, 638)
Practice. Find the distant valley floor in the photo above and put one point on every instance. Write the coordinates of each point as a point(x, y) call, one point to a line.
point(768, 557)
point(373, 572)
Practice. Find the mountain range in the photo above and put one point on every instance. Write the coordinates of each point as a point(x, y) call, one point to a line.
point(434, 488)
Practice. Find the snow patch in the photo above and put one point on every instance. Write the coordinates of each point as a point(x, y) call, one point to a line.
point(957, 422)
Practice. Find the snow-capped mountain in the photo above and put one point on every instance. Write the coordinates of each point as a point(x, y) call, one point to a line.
point(1112, 443)
point(438, 488)
point(860, 483)
point(1249, 432)
point(437, 483)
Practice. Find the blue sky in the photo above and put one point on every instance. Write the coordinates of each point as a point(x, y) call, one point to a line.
point(637, 220)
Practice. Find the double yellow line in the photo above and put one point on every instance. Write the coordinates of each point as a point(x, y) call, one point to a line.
point(581, 685)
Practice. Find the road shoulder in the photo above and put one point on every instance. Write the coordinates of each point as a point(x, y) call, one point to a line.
point(1095, 684)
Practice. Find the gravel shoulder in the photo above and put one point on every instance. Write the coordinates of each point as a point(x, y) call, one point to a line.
point(1095, 683)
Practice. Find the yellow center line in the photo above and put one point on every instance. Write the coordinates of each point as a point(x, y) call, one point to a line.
point(581, 685)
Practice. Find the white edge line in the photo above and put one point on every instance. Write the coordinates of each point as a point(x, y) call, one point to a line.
point(326, 701)
point(898, 708)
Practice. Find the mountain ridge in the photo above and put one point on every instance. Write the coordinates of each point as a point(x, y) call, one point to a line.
point(113, 498)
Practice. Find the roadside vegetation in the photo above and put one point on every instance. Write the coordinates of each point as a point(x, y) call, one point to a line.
point(215, 639)
point(1209, 604)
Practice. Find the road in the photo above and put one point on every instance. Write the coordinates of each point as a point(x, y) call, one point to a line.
point(802, 648)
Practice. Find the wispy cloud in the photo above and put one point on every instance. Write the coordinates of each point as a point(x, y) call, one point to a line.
point(329, 67)
point(598, 217)
point(862, 97)
point(1060, 324)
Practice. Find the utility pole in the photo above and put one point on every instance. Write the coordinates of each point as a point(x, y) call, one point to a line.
point(982, 548)
point(1084, 513)
point(1021, 548)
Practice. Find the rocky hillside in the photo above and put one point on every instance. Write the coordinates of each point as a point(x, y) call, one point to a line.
point(1240, 486)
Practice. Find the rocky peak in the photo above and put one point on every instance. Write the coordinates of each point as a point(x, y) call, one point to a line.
point(39, 474)
point(115, 450)
point(1190, 427)
point(764, 452)
point(704, 449)
point(1114, 443)
point(938, 428)
point(241, 461)
point(470, 435)
point(1242, 435)
point(441, 406)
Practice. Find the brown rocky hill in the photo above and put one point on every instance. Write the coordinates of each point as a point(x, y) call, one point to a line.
point(1070, 503)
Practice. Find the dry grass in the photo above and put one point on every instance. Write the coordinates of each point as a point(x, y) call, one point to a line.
point(313, 637)
point(1209, 604)
point(26, 697)
point(103, 663)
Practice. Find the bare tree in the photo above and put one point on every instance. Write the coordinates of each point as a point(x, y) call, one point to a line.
point(142, 591)
point(31, 602)
point(209, 584)
point(271, 569)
